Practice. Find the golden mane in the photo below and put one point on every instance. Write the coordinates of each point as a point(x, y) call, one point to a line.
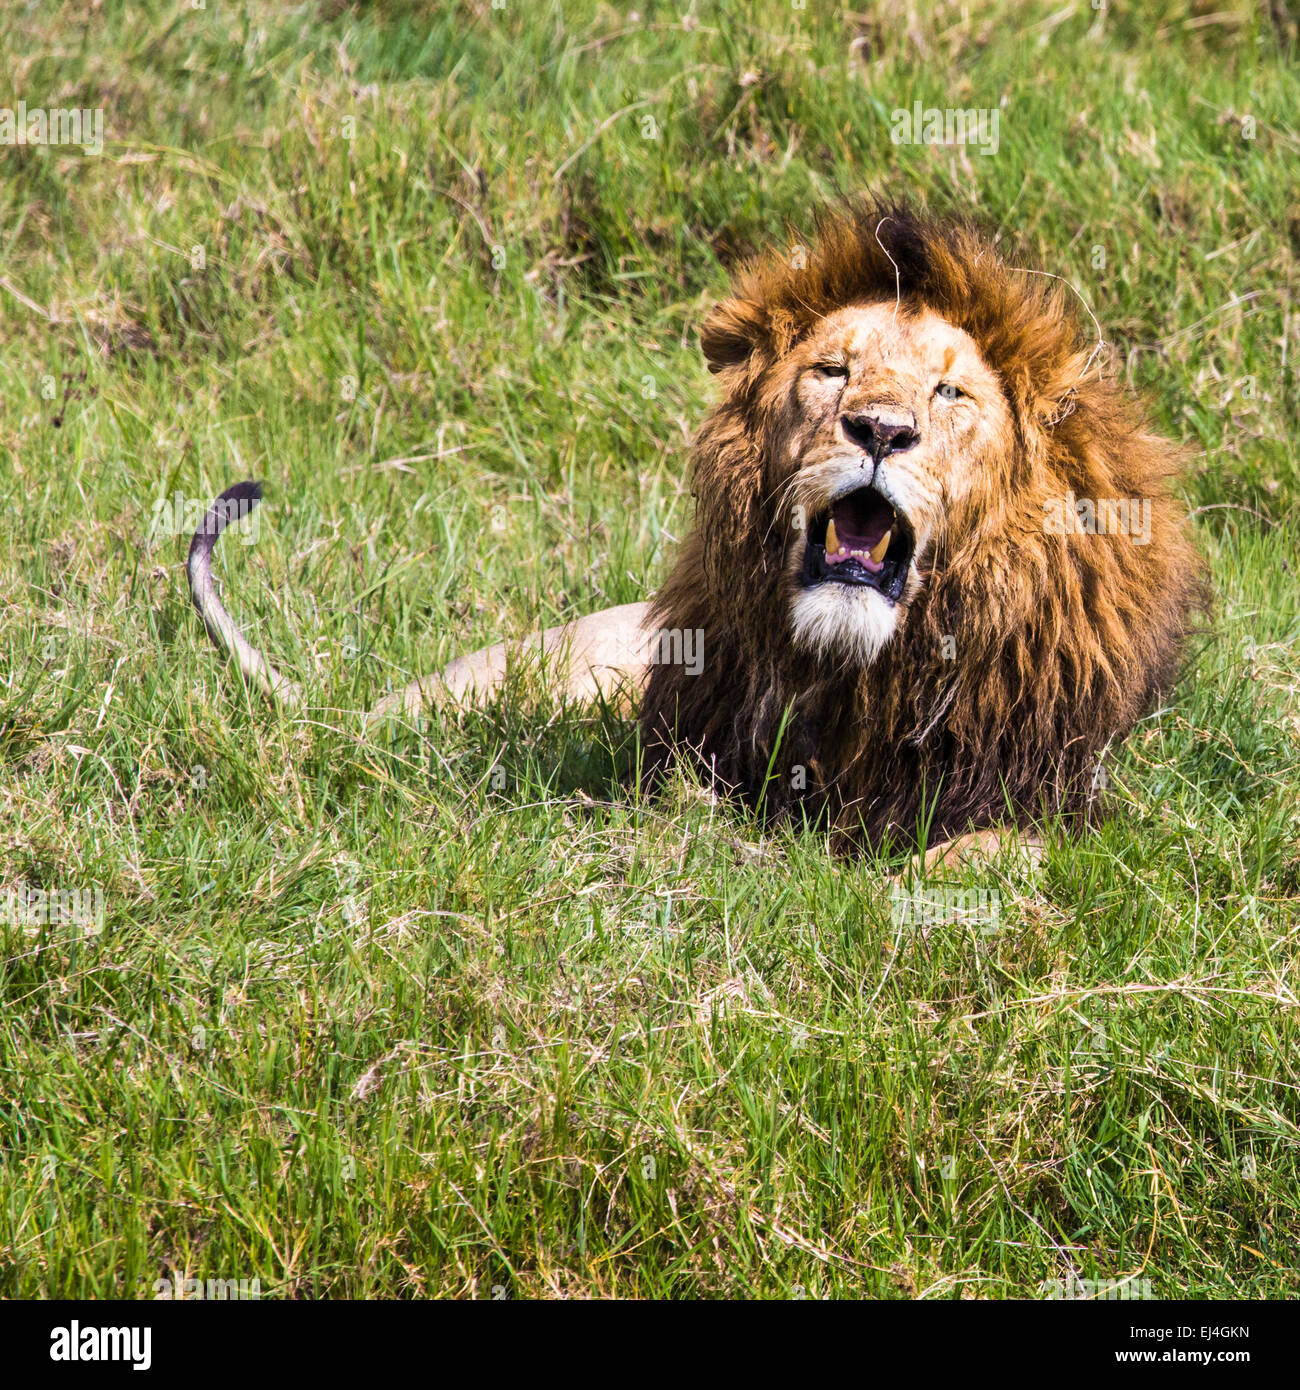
point(1027, 652)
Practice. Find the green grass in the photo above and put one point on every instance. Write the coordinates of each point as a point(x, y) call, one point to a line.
point(464, 1014)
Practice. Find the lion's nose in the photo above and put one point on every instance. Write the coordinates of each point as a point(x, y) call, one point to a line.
point(880, 433)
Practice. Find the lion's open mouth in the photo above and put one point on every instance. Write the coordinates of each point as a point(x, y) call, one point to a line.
point(863, 539)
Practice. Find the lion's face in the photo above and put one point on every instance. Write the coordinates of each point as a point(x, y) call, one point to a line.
point(887, 424)
point(896, 636)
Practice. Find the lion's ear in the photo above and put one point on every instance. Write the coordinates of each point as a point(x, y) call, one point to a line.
point(731, 333)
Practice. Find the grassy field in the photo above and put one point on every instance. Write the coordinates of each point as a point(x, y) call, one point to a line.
point(464, 1015)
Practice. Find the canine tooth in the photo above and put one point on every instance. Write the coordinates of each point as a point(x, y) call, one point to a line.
point(878, 553)
point(832, 540)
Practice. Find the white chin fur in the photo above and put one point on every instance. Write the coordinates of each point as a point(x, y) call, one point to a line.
point(843, 621)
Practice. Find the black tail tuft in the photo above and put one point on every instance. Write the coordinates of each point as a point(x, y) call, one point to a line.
point(236, 502)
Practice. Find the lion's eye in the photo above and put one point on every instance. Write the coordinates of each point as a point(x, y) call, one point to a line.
point(948, 391)
point(831, 369)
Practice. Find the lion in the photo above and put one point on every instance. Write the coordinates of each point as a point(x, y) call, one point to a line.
point(897, 613)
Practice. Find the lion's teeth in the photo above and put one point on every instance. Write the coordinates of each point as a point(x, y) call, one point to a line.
point(832, 540)
point(878, 553)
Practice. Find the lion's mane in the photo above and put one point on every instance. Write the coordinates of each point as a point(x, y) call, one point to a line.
point(1058, 643)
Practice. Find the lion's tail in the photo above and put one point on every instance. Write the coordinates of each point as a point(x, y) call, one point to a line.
point(235, 502)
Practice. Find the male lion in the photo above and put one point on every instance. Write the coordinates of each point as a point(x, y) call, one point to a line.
point(911, 623)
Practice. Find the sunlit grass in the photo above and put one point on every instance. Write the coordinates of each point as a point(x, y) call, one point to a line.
point(466, 1013)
